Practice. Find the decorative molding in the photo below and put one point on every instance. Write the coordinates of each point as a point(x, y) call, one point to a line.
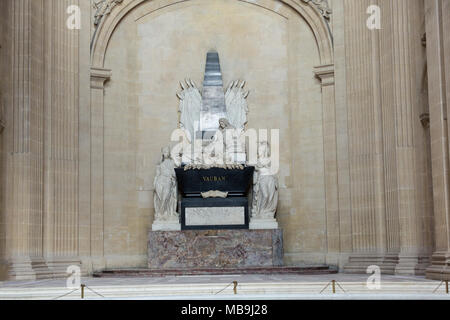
point(323, 6)
point(325, 11)
point(99, 77)
point(326, 74)
point(214, 194)
point(103, 8)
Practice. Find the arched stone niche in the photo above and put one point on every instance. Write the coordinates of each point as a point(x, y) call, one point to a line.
point(142, 49)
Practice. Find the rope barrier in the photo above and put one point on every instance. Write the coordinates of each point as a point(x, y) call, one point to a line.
point(66, 294)
point(100, 295)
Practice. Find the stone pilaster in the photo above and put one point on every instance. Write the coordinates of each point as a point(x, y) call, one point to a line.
point(343, 179)
point(325, 74)
point(84, 157)
point(99, 77)
point(438, 59)
point(3, 70)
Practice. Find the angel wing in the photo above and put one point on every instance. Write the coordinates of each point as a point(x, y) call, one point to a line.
point(236, 102)
point(190, 107)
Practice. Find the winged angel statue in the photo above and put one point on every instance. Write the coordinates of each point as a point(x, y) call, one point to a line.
point(191, 106)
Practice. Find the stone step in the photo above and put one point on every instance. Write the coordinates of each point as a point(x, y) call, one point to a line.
point(307, 270)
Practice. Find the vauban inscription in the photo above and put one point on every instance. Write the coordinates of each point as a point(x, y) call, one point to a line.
point(214, 179)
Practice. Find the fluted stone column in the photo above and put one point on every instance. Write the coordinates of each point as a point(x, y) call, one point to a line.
point(385, 93)
point(389, 166)
point(40, 217)
point(438, 60)
point(366, 145)
point(410, 136)
point(61, 137)
point(24, 178)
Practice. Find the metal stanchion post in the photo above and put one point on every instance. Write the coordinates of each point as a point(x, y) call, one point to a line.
point(446, 286)
point(82, 290)
point(333, 286)
point(235, 287)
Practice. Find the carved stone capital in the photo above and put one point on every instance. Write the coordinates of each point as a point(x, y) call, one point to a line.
point(326, 74)
point(99, 77)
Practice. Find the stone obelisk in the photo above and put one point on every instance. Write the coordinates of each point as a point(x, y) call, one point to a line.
point(213, 107)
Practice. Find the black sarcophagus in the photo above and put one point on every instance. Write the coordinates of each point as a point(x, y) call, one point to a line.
point(234, 181)
point(214, 198)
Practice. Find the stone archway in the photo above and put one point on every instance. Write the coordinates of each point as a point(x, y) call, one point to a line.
point(139, 9)
point(118, 10)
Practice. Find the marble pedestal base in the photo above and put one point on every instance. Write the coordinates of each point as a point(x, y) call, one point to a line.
point(215, 249)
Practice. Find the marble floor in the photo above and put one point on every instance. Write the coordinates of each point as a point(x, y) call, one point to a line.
point(252, 287)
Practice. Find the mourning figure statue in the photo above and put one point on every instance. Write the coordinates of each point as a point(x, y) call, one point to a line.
point(265, 188)
point(165, 196)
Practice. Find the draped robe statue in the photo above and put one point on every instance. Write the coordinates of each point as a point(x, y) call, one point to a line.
point(165, 196)
point(265, 189)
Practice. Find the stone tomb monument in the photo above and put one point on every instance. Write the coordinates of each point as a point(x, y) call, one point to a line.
point(212, 208)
